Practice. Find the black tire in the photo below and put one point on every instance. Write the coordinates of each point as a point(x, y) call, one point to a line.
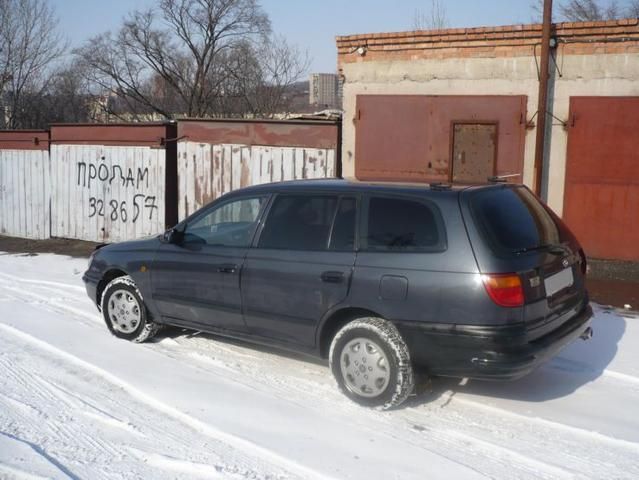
point(398, 371)
point(139, 330)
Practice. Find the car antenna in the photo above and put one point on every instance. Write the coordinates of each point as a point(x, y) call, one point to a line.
point(502, 178)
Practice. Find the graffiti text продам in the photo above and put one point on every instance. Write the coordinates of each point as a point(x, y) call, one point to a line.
point(102, 173)
point(114, 209)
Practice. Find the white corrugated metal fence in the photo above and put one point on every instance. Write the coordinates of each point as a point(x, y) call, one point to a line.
point(24, 193)
point(107, 193)
point(206, 171)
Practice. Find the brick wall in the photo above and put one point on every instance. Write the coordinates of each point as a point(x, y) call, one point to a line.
point(575, 38)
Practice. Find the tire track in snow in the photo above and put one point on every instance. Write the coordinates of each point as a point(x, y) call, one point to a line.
point(452, 432)
point(452, 438)
point(444, 442)
point(62, 289)
point(542, 422)
point(58, 305)
point(66, 286)
point(205, 429)
point(622, 377)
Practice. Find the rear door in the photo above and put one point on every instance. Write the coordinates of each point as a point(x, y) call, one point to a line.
point(403, 264)
point(302, 265)
point(512, 231)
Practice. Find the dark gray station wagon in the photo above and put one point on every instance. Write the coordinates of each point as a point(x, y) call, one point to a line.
point(482, 282)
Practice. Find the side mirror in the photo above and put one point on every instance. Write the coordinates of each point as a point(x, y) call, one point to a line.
point(173, 236)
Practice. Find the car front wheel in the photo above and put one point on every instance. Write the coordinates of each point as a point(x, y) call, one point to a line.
point(125, 313)
point(371, 363)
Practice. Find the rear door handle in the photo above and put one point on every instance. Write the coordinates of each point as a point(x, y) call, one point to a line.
point(227, 268)
point(332, 277)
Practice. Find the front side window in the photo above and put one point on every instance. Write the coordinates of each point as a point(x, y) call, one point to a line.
point(300, 222)
point(229, 225)
point(396, 224)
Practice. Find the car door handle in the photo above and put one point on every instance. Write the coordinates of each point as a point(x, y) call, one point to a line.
point(332, 277)
point(227, 268)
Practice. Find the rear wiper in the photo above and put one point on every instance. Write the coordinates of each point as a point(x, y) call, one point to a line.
point(554, 248)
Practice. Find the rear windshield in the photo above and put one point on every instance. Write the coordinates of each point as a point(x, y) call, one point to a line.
point(512, 220)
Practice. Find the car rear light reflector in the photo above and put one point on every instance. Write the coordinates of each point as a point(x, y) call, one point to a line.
point(504, 289)
point(584, 262)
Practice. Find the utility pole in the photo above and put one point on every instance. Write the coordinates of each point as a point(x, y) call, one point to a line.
point(543, 96)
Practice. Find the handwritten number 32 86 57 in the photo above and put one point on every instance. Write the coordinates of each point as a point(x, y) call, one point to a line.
point(119, 210)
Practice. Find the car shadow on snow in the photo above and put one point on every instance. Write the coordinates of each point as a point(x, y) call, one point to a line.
point(240, 346)
point(576, 365)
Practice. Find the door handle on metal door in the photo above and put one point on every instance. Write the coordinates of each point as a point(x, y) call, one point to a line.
point(227, 268)
point(332, 277)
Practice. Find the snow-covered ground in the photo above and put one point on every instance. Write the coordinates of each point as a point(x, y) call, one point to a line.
point(77, 403)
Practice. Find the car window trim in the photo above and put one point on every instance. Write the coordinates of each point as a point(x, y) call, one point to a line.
point(330, 235)
point(442, 245)
point(220, 203)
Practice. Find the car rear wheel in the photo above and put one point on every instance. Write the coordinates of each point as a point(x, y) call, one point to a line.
point(371, 363)
point(124, 311)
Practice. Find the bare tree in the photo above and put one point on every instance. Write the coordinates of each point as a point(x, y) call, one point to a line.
point(260, 76)
point(435, 18)
point(589, 10)
point(29, 45)
point(632, 10)
point(175, 59)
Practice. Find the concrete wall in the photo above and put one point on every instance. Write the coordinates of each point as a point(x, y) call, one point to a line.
point(476, 76)
point(593, 59)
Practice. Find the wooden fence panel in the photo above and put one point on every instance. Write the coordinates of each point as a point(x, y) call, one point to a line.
point(24, 193)
point(208, 171)
point(107, 193)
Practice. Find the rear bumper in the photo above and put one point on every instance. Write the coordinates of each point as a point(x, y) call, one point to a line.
point(488, 353)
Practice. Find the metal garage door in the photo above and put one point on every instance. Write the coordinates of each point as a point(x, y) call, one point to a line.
point(601, 202)
point(426, 138)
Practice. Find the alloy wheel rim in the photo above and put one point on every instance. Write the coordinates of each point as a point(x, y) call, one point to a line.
point(124, 311)
point(365, 367)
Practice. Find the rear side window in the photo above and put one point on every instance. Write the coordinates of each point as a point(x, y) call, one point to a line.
point(299, 222)
point(512, 219)
point(396, 224)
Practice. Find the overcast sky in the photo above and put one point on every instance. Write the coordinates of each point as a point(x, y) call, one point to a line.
point(311, 24)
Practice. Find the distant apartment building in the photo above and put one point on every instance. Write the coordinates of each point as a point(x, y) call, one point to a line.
point(324, 90)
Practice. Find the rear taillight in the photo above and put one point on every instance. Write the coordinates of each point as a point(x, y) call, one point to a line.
point(584, 262)
point(504, 289)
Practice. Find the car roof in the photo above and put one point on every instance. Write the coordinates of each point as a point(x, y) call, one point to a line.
point(337, 184)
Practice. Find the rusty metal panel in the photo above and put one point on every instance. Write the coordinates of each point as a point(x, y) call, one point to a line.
point(408, 137)
point(272, 133)
point(474, 152)
point(601, 197)
point(24, 139)
point(122, 134)
point(24, 193)
point(106, 193)
point(207, 171)
point(392, 139)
